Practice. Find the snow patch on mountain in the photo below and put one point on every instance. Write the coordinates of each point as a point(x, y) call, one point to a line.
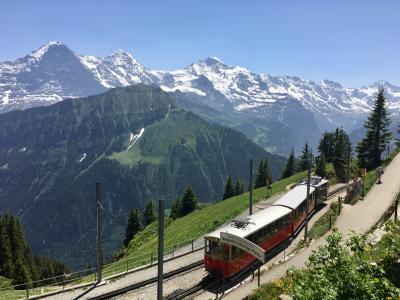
point(134, 138)
point(83, 156)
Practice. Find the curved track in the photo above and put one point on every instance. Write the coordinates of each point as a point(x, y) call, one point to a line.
point(208, 282)
point(148, 281)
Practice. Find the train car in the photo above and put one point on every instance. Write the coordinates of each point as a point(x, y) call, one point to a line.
point(266, 228)
point(321, 185)
point(296, 201)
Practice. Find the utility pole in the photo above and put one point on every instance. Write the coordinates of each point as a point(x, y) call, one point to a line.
point(251, 188)
point(98, 227)
point(160, 249)
point(308, 195)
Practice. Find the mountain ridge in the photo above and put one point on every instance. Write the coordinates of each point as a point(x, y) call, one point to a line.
point(122, 69)
point(135, 140)
point(233, 91)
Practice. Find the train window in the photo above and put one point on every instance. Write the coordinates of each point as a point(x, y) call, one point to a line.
point(226, 252)
point(235, 252)
point(214, 248)
point(260, 235)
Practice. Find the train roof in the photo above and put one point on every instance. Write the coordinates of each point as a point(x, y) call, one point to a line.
point(256, 221)
point(317, 181)
point(294, 197)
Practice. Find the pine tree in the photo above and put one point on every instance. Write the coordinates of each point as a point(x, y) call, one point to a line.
point(229, 189)
point(176, 209)
point(133, 226)
point(22, 276)
point(289, 169)
point(6, 264)
point(305, 158)
point(263, 176)
point(398, 139)
point(326, 146)
point(188, 202)
point(342, 155)
point(149, 214)
point(377, 136)
point(320, 167)
point(238, 188)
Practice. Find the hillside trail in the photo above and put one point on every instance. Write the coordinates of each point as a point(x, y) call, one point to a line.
point(358, 218)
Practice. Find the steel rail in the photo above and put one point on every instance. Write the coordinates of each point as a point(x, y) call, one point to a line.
point(148, 281)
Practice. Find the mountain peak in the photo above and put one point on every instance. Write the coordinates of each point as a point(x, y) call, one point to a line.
point(37, 54)
point(212, 61)
point(120, 57)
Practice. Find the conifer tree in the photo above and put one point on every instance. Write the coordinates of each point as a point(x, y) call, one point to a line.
point(22, 276)
point(398, 139)
point(16, 259)
point(238, 188)
point(188, 202)
point(6, 264)
point(377, 136)
point(133, 226)
point(175, 209)
point(149, 214)
point(289, 169)
point(342, 155)
point(306, 156)
point(229, 189)
point(326, 146)
point(320, 166)
point(263, 176)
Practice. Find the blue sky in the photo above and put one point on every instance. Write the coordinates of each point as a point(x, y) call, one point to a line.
point(352, 42)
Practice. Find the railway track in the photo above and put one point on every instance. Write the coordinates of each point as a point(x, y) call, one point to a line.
point(250, 269)
point(148, 281)
point(207, 282)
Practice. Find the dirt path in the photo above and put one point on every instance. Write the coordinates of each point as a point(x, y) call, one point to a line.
point(358, 218)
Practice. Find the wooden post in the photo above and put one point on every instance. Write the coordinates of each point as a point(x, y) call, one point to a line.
point(151, 258)
point(258, 276)
point(363, 191)
point(330, 220)
point(127, 265)
point(395, 209)
point(192, 246)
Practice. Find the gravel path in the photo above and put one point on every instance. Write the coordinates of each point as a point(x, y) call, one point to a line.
point(359, 218)
point(131, 278)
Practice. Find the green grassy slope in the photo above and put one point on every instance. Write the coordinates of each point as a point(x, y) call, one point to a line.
point(201, 221)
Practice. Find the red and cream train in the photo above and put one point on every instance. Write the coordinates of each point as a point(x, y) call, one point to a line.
point(266, 228)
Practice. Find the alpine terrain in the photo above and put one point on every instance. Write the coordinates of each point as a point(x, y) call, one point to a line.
point(135, 140)
point(277, 112)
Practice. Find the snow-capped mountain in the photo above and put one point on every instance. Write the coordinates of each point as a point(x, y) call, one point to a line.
point(54, 72)
point(252, 92)
point(118, 69)
point(45, 76)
